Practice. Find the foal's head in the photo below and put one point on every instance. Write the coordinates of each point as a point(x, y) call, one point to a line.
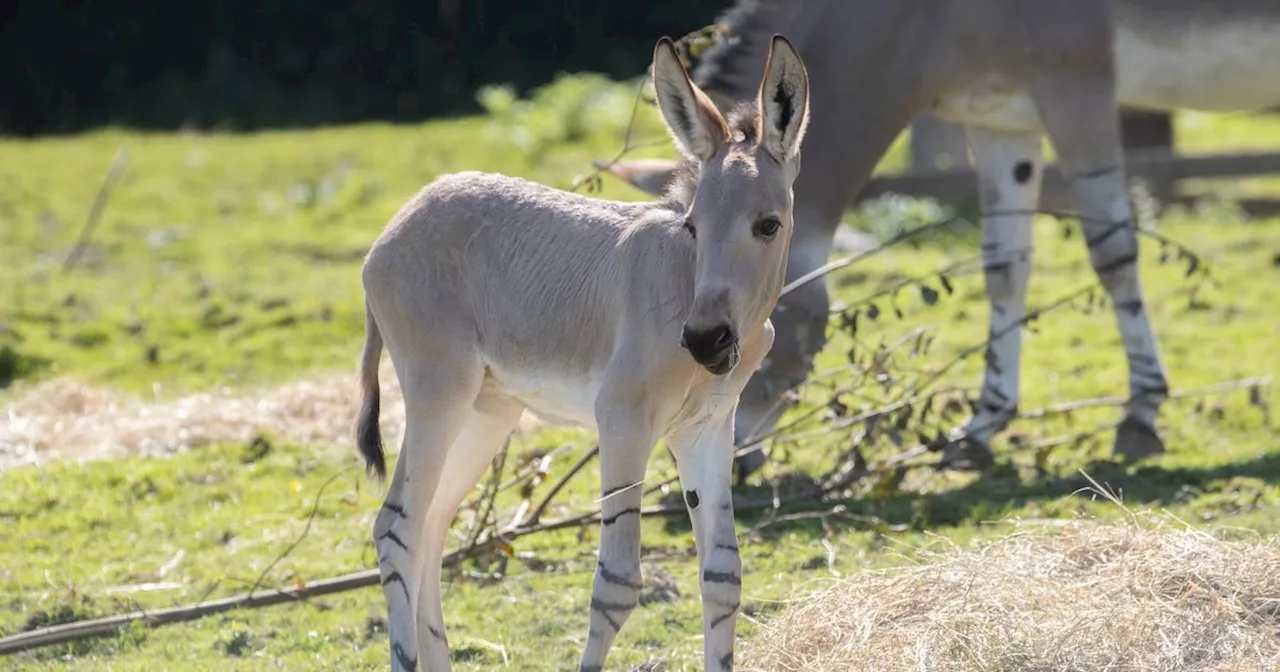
point(740, 211)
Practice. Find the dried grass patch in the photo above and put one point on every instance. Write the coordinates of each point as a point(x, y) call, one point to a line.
point(68, 420)
point(1085, 596)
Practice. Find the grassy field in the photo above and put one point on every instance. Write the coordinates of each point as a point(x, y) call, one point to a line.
point(233, 260)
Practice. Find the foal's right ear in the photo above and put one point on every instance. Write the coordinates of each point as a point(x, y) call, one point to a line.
point(693, 120)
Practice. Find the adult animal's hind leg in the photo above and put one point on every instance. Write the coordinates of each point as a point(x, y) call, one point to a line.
point(1081, 119)
point(1009, 166)
point(438, 399)
point(490, 424)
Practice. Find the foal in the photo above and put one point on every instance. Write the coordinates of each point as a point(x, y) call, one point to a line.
point(644, 320)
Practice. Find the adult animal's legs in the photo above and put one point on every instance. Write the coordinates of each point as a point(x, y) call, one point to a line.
point(1080, 116)
point(1009, 167)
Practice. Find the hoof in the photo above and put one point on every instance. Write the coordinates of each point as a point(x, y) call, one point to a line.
point(1134, 439)
point(966, 454)
point(748, 464)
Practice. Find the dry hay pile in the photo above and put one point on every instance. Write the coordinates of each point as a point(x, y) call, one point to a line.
point(67, 420)
point(1083, 597)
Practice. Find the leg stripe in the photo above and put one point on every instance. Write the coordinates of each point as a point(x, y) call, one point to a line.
point(616, 579)
point(613, 491)
point(395, 576)
point(726, 661)
point(395, 508)
point(395, 539)
point(1117, 264)
point(1099, 172)
point(1134, 307)
point(727, 547)
point(603, 608)
point(725, 616)
point(403, 657)
point(435, 633)
point(721, 577)
point(997, 267)
point(1096, 240)
point(614, 518)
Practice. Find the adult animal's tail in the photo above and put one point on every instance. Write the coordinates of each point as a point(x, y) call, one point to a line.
point(368, 435)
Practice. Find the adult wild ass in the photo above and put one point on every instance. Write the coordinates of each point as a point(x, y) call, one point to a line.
point(1011, 72)
point(644, 320)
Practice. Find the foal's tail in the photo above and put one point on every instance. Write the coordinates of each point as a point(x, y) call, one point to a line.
point(368, 435)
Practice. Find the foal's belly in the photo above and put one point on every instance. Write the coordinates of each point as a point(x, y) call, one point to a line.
point(1212, 67)
point(556, 398)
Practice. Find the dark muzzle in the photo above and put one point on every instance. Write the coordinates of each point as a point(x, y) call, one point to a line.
point(716, 348)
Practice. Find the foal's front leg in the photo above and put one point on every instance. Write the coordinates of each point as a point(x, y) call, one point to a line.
point(626, 441)
point(704, 456)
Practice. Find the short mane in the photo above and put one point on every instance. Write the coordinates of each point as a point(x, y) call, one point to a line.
point(733, 67)
point(744, 123)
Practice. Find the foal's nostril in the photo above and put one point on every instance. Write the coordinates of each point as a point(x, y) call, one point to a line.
point(721, 336)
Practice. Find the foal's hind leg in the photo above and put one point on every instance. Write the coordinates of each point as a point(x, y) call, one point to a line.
point(1009, 166)
point(487, 428)
point(1081, 119)
point(438, 398)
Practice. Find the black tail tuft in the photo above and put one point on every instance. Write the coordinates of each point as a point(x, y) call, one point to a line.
point(369, 436)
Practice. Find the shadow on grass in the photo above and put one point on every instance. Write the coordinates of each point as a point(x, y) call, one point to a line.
point(1003, 490)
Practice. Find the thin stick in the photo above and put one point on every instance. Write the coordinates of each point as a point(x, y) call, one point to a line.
point(315, 506)
point(99, 205)
point(855, 258)
point(559, 485)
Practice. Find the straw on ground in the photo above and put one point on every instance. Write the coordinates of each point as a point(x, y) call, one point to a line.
point(1077, 596)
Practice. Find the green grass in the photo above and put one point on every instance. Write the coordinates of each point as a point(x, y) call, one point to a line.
point(233, 259)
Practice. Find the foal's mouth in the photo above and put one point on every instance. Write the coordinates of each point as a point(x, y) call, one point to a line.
point(727, 362)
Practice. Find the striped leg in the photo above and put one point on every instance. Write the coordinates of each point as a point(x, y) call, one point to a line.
point(1009, 167)
point(490, 423)
point(1081, 119)
point(626, 442)
point(433, 420)
point(704, 458)
point(1110, 233)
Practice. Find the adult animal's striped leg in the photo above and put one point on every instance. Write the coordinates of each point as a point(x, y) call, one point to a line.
point(1085, 129)
point(704, 456)
point(1009, 166)
point(626, 441)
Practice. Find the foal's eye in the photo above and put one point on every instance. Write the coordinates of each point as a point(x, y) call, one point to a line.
point(688, 226)
point(766, 227)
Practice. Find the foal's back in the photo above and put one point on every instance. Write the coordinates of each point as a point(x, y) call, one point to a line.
point(533, 277)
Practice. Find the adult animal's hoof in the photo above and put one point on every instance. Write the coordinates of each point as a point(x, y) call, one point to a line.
point(967, 454)
point(1134, 439)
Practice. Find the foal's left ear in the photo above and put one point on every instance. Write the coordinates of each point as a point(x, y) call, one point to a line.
point(783, 101)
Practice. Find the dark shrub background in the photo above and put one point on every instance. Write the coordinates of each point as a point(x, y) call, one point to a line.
point(250, 64)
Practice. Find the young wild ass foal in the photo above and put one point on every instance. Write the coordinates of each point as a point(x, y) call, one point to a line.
point(1012, 72)
point(644, 320)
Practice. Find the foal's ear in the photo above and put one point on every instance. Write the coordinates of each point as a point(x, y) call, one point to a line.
point(783, 101)
point(695, 123)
